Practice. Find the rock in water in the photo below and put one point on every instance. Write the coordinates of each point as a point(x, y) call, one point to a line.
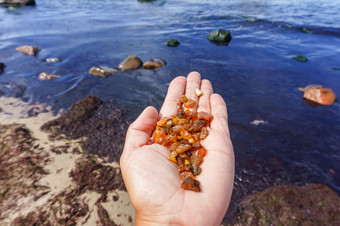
point(17, 2)
point(172, 43)
point(154, 63)
point(52, 60)
point(2, 66)
point(220, 37)
point(313, 204)
point(317, 94)
point(30, 50)
point(45, 76)
point(102, 71)
point(132, 62)
point(300, 58)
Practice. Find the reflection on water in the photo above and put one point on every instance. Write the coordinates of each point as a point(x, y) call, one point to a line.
point(255, 73)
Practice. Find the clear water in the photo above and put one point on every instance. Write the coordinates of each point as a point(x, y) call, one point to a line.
point(255, 73)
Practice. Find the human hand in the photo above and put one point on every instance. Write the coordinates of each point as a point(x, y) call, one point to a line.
point(152, 181)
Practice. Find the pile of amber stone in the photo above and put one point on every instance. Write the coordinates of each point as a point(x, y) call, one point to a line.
point(182, 134)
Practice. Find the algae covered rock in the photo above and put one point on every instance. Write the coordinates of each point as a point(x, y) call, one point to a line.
point(102, 71)
point(154, 63)
point(300, 58)
point(172, 43)
point(220, 37)
point(318, 94)
point(313, 204)
point(132, 62)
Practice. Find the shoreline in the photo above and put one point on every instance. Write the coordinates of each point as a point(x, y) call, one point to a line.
point(58, 165)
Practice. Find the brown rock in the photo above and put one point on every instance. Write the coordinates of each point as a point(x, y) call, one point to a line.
point(30, 50)
point(132, 62)
point(313, 204)
point(317, 94)
point(45, 76)
point(102, 71)
point(154, 63)
point(191, 184)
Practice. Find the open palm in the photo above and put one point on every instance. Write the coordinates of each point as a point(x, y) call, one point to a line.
point(152, 181)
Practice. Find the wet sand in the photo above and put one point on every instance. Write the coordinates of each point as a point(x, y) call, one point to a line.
point(58, 165)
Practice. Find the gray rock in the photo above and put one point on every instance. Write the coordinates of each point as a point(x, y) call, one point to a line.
point(220, 37)
point(132, 62)
point(102, 71)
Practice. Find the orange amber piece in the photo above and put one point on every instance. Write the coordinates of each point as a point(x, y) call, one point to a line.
point(159, 135)
point(184, 175)
point(191, 184)
point(204, 133)
point(196, 160)
point(184, 99)
point(172, 156)
point(190, 103)
point(197, 125)
point(184, 167)
point(202, 152)
point(162, 122)
point(183, 148)
point(204, 115)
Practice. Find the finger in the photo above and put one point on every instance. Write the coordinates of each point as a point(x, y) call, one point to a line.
point(140, 130)
point(193, 83)
point(204, 101)
point(175, 91)
point(219, 111)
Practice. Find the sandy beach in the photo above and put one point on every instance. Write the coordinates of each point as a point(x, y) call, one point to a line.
point(58, 159)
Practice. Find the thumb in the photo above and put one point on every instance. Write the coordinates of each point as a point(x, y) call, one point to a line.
point(140, 130)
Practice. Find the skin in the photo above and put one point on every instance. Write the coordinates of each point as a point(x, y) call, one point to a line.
point(153, 182)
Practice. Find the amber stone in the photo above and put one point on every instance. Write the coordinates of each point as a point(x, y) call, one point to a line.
point(204, 133)
point(184, 167)
point(197, 145)
point(184, 99)
point(197, 125)
point(172, 157)
point(182, 148)
point(195, 160)
point(204, 115)
point(173, 146)
point(190, 103)
point(191, 184)
point(184, 175)
point(202, 152)
point(196, 170)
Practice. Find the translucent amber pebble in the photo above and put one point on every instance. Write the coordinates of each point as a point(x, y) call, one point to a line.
point(159, 135)
point(185, 134)
point(184, 99)
point(185, 174)
point(204, 115)
point(172, 156)
point(197, 125)
point(191, 184)
point(190, 103)
point(184, 167)
point(196, 160)
point(196, 170)
point(197, 145)
point(183, 148)
point(162, 122)
point(182, 121)
point(173, 146)
point(202, 152)
point(204, 133)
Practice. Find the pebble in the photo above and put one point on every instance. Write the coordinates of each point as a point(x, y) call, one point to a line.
point(132, 62)
point(300, 58)
point(102, 71)
point(30, 50)
point(45, 76)
point(51, 60)
point(154, 63)
point(220, 37)
point(318, 94)
point(172, 43)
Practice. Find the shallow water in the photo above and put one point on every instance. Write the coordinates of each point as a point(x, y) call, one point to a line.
point(254, 73)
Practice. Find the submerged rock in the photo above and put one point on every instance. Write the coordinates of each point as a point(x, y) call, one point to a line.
point(318, 94)
point(132, 62)
point(146, 0)
point(45, 76)
point(97, 122)
point(172, 43)
point(30, 50)
point(300, 58)
point(313, 204)
point(220, 37)
point(2, 66)
point(154, 63)
point(102, 71)
point(52, 60)
point(336, 68)
point(17, 2)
